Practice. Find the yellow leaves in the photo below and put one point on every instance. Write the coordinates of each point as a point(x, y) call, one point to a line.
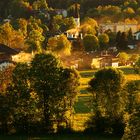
point(59, 45)
point(11, 37)
point(131, 21)
point(129, 11)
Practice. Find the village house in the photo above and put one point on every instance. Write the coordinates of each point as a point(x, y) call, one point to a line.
point(6, 54)
point(106, 59)
point(137, 35)
point(135, 43)
point(115, 27)
point(75, 33)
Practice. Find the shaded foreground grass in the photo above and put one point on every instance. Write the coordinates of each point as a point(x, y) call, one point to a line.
point(60, 137)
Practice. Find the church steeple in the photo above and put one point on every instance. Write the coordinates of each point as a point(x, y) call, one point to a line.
point(77, 15)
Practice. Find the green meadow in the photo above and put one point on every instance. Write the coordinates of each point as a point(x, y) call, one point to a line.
point(83, 104)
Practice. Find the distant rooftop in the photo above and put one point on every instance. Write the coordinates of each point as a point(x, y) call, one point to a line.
point(7, 50)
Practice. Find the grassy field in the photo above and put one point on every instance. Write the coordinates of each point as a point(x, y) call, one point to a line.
point(60, 137)
point(83, 105)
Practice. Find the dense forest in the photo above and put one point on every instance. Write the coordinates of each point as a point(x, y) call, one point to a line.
point(114, 9)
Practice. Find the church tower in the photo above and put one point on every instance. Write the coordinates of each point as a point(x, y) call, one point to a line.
point(77, 15)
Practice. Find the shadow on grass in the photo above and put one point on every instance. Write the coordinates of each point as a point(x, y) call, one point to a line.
point(75, 136)
point(128, 70)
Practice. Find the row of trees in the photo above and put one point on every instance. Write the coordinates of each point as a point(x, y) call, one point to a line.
point(32, 35)
point(37, 96)
point(103, 10)
point(92, 41)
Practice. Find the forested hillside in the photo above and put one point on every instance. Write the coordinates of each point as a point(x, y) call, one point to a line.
point(112, 10)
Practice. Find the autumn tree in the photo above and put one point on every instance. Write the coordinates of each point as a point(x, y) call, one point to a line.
point(61, 24)
point(59, 45)
point(35, 36)
point(134, 58)
point(123, 58)
point(129, 12)
point(89, 26)
point(11, 37)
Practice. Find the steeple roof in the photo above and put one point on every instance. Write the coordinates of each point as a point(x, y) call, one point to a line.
point(76, 13)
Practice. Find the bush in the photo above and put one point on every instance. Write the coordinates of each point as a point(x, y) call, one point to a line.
point(132, 130)
point(105, 125)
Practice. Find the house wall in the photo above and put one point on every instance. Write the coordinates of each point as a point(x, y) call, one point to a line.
point(95, 63)
point(118, 27)
point(77, 21)
point(4, 65)
point(131, 46)
point(115, 64)
point(137, 36)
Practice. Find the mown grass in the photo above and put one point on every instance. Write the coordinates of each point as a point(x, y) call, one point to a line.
point(127, 70)
point(82, 105)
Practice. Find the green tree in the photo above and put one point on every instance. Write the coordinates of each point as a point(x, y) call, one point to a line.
point(112, 37)
point(137, 66)
point(107, 101)
point(40, 5)
point(133, 127)
point(55, 96)
point(23, 7)
point(5, 100)
point(90, 42)
point(24, 102)
point(132, 89)
point(35, 40)
point(106, 86)
point(103, 41)
point(130, 35)
point(35, 36)
point(122, 40)
point(60, 24)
